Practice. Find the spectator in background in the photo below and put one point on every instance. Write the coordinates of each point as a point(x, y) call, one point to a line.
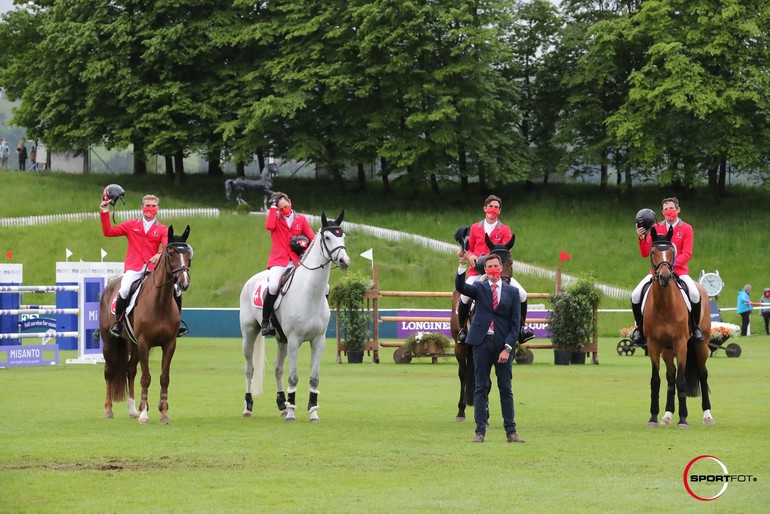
point(5, 152)
point(765, 303)
point(21, 151)
point(744, 308)
point(33, 156)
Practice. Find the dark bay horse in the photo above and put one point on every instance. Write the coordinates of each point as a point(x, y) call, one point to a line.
point(666, 325)
point(153, 322)
point(463, 351)
point(263, 185)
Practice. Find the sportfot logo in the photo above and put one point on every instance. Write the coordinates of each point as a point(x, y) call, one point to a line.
point(706, 478)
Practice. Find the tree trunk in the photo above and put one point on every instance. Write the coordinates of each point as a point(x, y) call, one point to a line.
point(361, 177)
point(140, 158)
point(215, 166)
point(385, 170)
point(462, 162)
point(179, 167)
point(169, 160)
point(240, 169)
point(434, 185)
point(721, 191)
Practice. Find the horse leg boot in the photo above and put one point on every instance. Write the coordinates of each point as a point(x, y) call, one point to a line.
point(696, 333)
point(267, 311)
point(120, 307)
point(462, 319)
point(638, 338)
point(525, 333)
point(182, 325)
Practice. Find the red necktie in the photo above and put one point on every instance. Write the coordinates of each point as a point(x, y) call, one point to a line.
point(494, 305)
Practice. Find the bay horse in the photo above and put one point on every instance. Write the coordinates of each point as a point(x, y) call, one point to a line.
point(302, 315)
point(463, 351)
point(264, 185)
point(153, 322)
point(667, 328)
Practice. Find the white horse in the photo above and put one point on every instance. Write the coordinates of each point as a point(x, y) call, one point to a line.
point(302, 315)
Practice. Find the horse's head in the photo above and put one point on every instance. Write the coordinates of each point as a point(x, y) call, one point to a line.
point(662, 257)
point(333, 241)
point(501, 250)
point(178, 257)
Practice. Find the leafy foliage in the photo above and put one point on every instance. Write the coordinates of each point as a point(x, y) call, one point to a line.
point(424, 343)
point(347, 296)
point(572, 322)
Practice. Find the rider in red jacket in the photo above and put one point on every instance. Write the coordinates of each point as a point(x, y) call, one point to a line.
point(682, 238)
point(146, 238)
point(283, 224)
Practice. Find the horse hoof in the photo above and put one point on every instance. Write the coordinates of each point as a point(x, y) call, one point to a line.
point(143, 421)
point(108, 415)
point(133, 415)
point(460, 419)
point(708, 421)
point(682, 426)
point(246, 414)
point(290, 420)
point(315, 420)
point(652, 424)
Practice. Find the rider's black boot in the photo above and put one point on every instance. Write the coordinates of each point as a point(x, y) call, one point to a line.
point(267, 311)
point(697, 335)
point(120, 307)
point(525, 333)
point(638, 338)
point(182, 325)
point(462, 319)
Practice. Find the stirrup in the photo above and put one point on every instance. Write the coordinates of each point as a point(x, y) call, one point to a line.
point(266, 328)
point(183, 330)
point(116, 328)
point(696, 334)
point(461, 335)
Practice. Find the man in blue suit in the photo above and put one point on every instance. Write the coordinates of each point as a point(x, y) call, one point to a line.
point(493, 334)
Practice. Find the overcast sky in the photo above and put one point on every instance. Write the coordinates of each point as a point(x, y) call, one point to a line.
point(6, 5)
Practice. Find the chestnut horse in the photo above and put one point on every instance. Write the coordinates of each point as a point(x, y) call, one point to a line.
point(667, 328)
point(463, 351)
point(153, 321)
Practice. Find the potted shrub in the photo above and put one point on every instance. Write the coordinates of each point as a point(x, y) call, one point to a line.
point(347, 297)
point(426, 344)
point(572, 322)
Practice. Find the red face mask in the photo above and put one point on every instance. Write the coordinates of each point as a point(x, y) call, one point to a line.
point(492, 211)
point(151, 211)
point(494, 272)
point(669, 214)
point(286, 210)
point(767, 293)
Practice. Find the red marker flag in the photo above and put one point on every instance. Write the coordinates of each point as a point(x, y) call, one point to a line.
point(9, 255)
point(563, 256)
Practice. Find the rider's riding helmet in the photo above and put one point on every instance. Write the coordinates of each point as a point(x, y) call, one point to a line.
point(461, 236)
point(645, 218)
point(299, 244)
point(112, 193)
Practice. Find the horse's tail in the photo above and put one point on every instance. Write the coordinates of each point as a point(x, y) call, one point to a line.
point(228, 188)
point(258, 361)
point(691, 375)
point(116, 367)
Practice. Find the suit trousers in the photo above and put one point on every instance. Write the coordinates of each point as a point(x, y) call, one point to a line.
point(485, 357)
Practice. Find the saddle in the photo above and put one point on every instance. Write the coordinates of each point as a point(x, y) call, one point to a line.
point(681, 284)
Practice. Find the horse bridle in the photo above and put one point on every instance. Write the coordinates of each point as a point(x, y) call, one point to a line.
point(179, 248)
point(662, 247)
point(328, 254)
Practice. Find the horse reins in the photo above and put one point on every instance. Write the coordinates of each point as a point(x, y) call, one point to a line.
point(325, 249)
point(180, 248)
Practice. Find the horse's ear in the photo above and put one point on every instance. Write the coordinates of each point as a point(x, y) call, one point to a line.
point(338, 221)
point(670, 232)
point(170, 231)
point(186, 233)
point(510, 243)
point(324, 221)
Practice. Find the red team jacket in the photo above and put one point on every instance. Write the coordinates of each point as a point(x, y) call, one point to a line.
point(281, 234)
point(141, 246)
point(477, 244)
point(682, 239)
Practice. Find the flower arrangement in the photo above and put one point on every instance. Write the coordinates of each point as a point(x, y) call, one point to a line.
point(626, 332)
point(721, 332)
point(426, 343)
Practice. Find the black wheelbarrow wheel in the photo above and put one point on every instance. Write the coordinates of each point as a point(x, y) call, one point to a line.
point(733, 350)
point(625, 347)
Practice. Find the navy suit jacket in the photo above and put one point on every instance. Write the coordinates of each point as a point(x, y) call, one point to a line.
point(507, 316)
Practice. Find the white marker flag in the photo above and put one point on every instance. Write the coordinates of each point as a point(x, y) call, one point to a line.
point(67, 255)
point(104, 254)
point(368, 255)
